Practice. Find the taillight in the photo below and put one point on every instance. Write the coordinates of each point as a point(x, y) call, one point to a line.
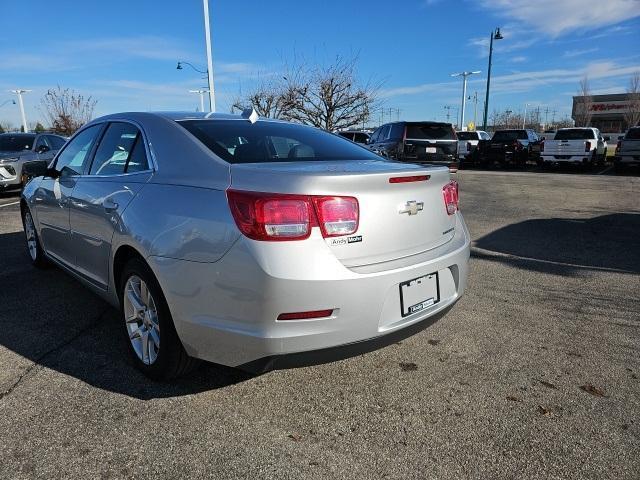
point(587, 146)
point(277, 217)
point(542, 146)
point(450, 194)
point(337, 215)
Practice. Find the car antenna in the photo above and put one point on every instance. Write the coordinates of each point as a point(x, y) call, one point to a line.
point(250, 114)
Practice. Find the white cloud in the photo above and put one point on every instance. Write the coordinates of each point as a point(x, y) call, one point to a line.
point(557, 17)
point(579, 52)
point(525, 81)
point(518, 59)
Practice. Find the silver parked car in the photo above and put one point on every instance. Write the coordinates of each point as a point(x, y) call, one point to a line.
point(18, 148)
point(256, 244)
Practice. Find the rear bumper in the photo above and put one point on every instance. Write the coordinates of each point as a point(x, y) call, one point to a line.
point(226, 312)
point(579, 159)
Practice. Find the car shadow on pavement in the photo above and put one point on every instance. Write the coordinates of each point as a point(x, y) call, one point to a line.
point(52, 321)
point(564, 246)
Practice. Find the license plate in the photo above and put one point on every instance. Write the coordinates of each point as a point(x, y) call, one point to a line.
point(431, 149)
point(419, 293)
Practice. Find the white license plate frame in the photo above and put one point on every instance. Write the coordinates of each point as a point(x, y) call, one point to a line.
point(419, 293)
point(431, 150)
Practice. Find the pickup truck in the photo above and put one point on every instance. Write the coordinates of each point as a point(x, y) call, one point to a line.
point(516, 146)
point(468, 142)
point(579, 146)
point(628, 150)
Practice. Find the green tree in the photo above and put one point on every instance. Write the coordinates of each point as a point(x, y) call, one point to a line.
point(39, 128)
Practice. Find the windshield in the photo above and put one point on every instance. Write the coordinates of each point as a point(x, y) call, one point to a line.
point(574, 134)
point(509, 135)
point(430, 131)
point(467, 135)
point(633, 134)
point(237, 141)
point(16, 143)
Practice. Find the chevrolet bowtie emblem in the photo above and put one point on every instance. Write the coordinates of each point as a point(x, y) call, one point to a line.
point(412, 207)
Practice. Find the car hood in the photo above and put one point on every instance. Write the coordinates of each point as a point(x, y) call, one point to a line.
point(5, 154)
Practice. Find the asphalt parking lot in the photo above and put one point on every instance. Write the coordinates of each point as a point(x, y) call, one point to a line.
point(535, 373)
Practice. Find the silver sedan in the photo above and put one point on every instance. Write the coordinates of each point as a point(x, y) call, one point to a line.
point(255, 244)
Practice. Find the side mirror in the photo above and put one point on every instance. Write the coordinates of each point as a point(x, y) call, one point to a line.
point(42, 149)
point(36, 168)
point(607, 138)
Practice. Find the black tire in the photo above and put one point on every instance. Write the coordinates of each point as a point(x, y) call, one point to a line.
point(172, 360)
point(38, 257)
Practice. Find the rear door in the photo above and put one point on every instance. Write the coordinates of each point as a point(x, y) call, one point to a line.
point(119, 169)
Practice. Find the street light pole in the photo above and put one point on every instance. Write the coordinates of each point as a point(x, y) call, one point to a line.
point(207, 35)
point(524, 119)
point(201, 92)
point(464, 93)
point(497, 36)
point(19, 92)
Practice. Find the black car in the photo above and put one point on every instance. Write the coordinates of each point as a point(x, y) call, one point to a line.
point(358, 136)
point(517, 146)
point(416, 142)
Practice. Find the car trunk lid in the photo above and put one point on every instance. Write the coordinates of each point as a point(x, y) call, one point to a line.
point(395, 219)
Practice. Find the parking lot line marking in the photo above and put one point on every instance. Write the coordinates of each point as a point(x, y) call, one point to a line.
point(481, 252)
point(9, 204)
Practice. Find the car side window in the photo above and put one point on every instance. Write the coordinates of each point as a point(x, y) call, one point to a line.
point(397, 130)
point(41, 142)
point(73, 158)
point(118, 151)
point(374, 136)
point(56, 142)
point(384, 133)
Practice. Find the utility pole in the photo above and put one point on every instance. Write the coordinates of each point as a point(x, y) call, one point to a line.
point(495, 35)
point(546, 117)
point(464, 76)
point(475, 108)
point(553, 116)
point(201, 92)
point(207, 35)
point(448, 109)
point(507, 112)
point(19, 92)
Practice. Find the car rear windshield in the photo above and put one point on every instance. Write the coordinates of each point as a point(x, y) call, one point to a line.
point(633, 134)
point(575, 134)
point(16, 143)
point(240, 141)
point(430, 131)
point(467, 135)
point(509, 135)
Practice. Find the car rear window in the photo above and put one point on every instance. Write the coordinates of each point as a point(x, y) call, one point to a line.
point(509, 135)
point(575, 134)
point(467, 135)
point(428, 131)
point(633, 134)
point(240, 141)
point(16, 143)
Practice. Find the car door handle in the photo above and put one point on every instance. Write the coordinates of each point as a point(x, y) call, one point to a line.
point(109, 205)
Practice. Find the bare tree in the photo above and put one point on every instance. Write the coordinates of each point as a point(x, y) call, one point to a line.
point(632, 114)
point(584, 102)
point(564, 122)
point(67, 110)
point(328, 97)
point(6, 126)
point(267, 99)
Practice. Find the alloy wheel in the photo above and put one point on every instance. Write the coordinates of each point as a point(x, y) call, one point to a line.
point(141, 318)
point(30, 232)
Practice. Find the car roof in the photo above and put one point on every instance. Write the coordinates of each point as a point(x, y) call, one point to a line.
point(177, 116)
point(18, 134)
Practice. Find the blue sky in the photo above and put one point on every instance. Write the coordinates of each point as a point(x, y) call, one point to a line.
point(124, 53)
